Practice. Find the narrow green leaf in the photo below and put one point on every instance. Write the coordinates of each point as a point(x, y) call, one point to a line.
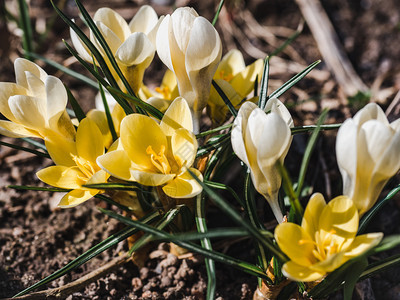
point(213, 143)
point(38, 153)
point(37, 188)
point(75, 105)
point(25, 24)
point(262, 101)
point(112, 202)
point(289, 40)
point(291, 82)
point(351, 278)
point(308, 152)
point(225, 98)
point(215, 130)
point(380, 266)
point(236, 263)
point(308, 128)
point(214, 21)
point(375, 209)
point(35, 143)
point(138, 102)
point(221, 186)
point(92, 252)
point(131, 186)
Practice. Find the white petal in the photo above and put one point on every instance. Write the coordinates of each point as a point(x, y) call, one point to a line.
point(276, 106)
point(80, 47)
point(22, 65)
point(29, 111)
point(57, 99)
point(113, 21)
point(135, 50)
point(144, 20)
point(162, 42)
point(371, 111)
point(8, 89)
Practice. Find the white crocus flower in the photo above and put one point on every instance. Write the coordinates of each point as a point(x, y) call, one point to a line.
point(35, 104)
point(367, 151)
point(260, 140)
point(190, 47)
point(133, 44)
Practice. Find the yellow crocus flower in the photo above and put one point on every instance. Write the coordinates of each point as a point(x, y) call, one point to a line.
point(367, 152)
point(155, 154)
point(76, 164)
point(325, 240)
point(35, 104)
point(237, 82)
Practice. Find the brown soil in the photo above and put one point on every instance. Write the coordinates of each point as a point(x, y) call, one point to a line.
point(36, 238)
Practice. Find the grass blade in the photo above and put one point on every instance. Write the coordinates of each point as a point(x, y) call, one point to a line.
point(225, 98)
point(308, 152)
point(80, 115)
point(262, 101)
point(38, 153)
point(291, 82)
point(215, 19)
point(308, 128)
point(25, 24)
point(37, 188)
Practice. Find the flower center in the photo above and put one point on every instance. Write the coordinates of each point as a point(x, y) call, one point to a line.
point(84, 166)
point(164, 91)
point(159, 160)
point(227, 77)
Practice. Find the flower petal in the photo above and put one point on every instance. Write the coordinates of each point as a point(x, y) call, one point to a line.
point(99, 117)
point(184, 147)
point(138, 132)
point(371, 111)
point(62, 177)
point(8, 89)
point(117, 163)
point(276, 106)
point(144, 20)
point(135, 50)
point(151, 179)
point(57, 99)
point(113, 21)
point(89, 140)
point(243, 82)
point(184, 186)
point(29, 111)
point(363, 243)
point(231, 64)
point(76, 197)
point(295, 242)
point(177, 116)
point(312, 213)
point(61, 150)
point(21, 66)
point(15, 130)
point(79, 46)
point(300, 273)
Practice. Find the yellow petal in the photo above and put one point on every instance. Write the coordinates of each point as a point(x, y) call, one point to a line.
point(89, 141)
point(15, 130)
point(177, 116)
point(98, 177)
point(295, 242)
point(118, 114)
point(297, 272)
point(332, 262)
point(184, 147)
point(363, 243)
point(184, 186)
point(99, 117)
point(62, 177)
point(61, 150)
point(340, 217)
point(243, 82)
point(231, 64)
point(116, 163)
point(76, 197)
point(312, 213)
point(151, 179)
point(138, 132)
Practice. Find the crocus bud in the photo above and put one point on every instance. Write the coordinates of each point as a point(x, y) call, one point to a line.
point(133, 45)
point(35, 104)
point(260, 140)
point(190, 47)
point(367, 152)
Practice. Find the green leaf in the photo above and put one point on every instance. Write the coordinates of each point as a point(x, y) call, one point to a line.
point(308, 128)
point(213, 143)
point(291, 82)
point(380, 266)
point(225, 98)
point(262, 101)
point(38, 153)
point(92, 252)
point(131, 186)
point(75, 105)
point(224, 187)
point(34, 143)
point(215, 130)
point(289, 40)
point(25, 24)
point(351, 278)
point(214, 21)
point(308, 152)
point(37, 188)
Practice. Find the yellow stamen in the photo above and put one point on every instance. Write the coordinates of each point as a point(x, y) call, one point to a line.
point(227, 77)
point(84, 166)
point(164, 91)
point(159, 160)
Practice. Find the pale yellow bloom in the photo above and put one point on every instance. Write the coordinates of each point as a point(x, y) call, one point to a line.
point(191, 47)
point(155, 154)
point(35, 104)
point(367, 151)
point(133, 44)
point(325, 240)
point(76, 164)
point(260, 140)
point(237, 82)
